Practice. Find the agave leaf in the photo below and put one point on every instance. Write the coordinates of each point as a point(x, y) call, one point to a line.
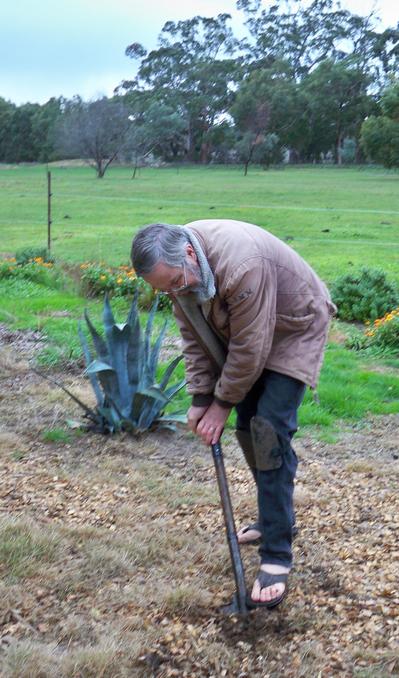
point(154, 356)
point(99, 366)
point(118, 341)
point(98, 341)
point(148, 331)
point(108, 379)
point(91, 414)
point(108, 316)
point(174, 416)
point(168, 426)
point(153, 411)
point(134, 355)
point(108, 422)
point(92, 376)
point(140, 407)
point(149, 415)
point(155, 393)
point(117, 335)
point(169, 371)
point(172, 390)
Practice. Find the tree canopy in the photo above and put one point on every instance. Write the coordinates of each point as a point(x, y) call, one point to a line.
point(309, 80)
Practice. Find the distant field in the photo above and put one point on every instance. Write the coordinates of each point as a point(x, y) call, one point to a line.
point(338, 219)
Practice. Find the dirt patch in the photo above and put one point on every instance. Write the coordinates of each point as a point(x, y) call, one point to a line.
point(114, 560)
point(24, 344)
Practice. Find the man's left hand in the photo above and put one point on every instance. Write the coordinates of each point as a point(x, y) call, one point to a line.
point(212, 423)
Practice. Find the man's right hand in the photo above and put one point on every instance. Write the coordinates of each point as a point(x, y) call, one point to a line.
point(194, 415)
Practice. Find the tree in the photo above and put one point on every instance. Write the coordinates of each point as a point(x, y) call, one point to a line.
point(192, 74)
point(95, 131)
point(7, 110)
point(263, 149)
point(306, 34)
point(23, 146)
point(160, 131)
point(267, 103)
point(336, 105)
point(44, 124)
point(26, 132)
point(380, 134)
point(300, 33)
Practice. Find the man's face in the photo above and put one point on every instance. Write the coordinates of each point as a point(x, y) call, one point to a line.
point(175, 279)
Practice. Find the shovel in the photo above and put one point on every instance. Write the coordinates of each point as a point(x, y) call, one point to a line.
point(238, 604)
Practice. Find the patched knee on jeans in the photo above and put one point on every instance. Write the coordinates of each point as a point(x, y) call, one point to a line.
point(267, 445)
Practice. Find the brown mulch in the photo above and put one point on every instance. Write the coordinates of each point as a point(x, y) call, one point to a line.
point(140, 556)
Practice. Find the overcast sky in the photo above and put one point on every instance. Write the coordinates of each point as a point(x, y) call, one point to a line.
point(66, 47)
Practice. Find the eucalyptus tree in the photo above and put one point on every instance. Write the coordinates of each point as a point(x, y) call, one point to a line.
point(6, 114)
point(193, 71)
point(157, 130)
point(44, 124)
point(337, 102)
point(300, 33)
point(268, 103)
point(380, 133)
point(306, 34)
point(24, 146)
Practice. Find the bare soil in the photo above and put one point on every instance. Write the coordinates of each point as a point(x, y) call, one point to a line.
point(114, 562)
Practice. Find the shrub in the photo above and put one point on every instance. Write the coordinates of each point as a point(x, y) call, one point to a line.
point(27, 254)
point(364, 295)
point(384, 332)
point(382, 335)
point(99, 279)
point(37, 270)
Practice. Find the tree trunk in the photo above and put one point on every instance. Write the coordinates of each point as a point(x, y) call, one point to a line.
point(204, 152)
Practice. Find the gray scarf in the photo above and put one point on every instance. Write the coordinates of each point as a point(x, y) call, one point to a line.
point(207, 289)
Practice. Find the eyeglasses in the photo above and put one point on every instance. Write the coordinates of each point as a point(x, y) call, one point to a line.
point(181, 288)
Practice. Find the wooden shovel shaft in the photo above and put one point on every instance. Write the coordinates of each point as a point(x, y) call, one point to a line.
point(231, 533)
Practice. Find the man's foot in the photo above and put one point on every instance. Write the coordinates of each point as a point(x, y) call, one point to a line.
point(270, 586)
point(250, 534)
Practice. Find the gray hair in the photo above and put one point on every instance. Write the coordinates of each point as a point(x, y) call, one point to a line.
point(158, 242)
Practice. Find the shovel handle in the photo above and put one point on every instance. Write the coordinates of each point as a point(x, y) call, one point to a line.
point(231, 533)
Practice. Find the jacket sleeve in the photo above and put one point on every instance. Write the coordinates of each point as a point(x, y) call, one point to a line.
point(250, 295)
point(200, 373)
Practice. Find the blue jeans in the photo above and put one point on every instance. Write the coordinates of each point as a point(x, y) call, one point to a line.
point(276, 397)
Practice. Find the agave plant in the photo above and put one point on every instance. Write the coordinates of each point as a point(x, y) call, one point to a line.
point(123, 374)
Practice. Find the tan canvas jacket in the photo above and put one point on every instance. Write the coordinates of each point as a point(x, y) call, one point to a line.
point(271, 310)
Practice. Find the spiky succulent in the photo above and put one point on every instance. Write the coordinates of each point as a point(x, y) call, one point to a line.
point(123, 374)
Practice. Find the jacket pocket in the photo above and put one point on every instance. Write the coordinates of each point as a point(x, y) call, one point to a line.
point(289, 323)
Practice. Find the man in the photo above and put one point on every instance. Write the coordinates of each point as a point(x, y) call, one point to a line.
point(254, 320)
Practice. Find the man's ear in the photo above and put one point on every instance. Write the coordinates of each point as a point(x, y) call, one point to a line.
point(191, 252)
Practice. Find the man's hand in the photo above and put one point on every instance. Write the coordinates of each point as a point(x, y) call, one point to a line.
point(211, 424)
point(194, 415)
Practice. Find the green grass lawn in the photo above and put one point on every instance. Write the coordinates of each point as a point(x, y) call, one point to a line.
point(337, 219)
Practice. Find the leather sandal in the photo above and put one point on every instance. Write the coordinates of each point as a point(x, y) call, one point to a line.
point(266, 579)
point(258, 540)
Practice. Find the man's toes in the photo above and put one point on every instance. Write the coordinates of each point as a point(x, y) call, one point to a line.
point(256, 591)
point(266, 594)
